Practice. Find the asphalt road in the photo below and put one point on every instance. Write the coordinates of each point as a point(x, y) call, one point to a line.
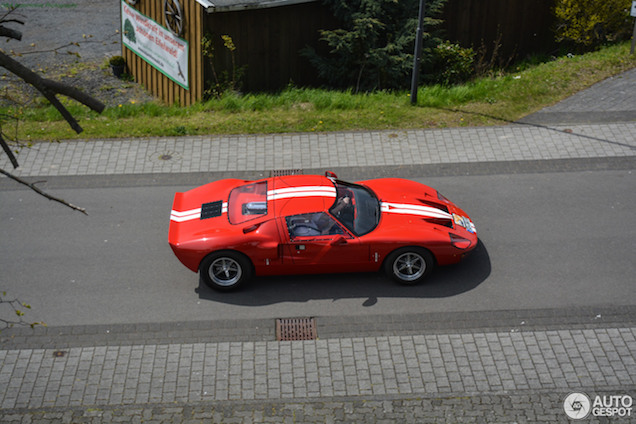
point(548, 240)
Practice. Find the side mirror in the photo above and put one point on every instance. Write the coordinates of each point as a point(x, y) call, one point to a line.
point(339, 241)
point(251, 228)
point(331, 175)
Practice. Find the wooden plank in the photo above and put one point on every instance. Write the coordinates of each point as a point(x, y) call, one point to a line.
point(522, 26)
point(195, 66)
point(189, 13)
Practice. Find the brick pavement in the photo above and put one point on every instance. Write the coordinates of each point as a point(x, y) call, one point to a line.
point(517, 142)
point(364, 375)
point(442, 364)
point(471, 375)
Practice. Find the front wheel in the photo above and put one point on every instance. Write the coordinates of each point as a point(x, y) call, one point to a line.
point(225, 270)
point(409, 265)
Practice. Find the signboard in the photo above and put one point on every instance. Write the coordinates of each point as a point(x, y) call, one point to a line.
point(156, 45)
point(633, 8)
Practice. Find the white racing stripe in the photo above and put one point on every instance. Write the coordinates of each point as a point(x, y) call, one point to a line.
point(185, 213)
point(306, 191)
point(177, 216)
point(182, 216)
point(419, 210)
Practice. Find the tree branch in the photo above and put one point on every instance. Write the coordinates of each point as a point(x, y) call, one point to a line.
point(10, 33)
point(42, 193)
point(8, 151)
point(50, 88)
point(16, 306)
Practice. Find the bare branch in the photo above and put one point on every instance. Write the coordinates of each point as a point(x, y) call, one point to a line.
point(42, 193)
point(17, 307)
point(10, 33)
point(16, 21)
point(8, 151)
point(55, 50)
point(50, 88)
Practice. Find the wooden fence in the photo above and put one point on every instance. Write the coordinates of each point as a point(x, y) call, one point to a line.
point(268, 40)
point(268, 43)
point(520, 27)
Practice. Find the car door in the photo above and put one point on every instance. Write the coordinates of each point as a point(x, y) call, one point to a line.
point(317, 243)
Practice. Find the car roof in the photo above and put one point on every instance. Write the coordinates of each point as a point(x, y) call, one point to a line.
point(298, 194)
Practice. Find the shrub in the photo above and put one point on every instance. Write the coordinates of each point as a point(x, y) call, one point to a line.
point(117, 61)
point(591, 23)
point(373, 48)
point(229, 80)
point(451, 64)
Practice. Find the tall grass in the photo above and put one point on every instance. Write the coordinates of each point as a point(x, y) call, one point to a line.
point(494, 99)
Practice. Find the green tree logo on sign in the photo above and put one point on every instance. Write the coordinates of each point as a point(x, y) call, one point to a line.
point(129, 31)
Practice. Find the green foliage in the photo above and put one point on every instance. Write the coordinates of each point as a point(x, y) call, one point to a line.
point(591, 23)
point(117, 61)
point(499, 97)
point(227, 80)
point(373, 48)
point(451, 64)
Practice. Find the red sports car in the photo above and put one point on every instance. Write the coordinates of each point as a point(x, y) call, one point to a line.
point(298, 224)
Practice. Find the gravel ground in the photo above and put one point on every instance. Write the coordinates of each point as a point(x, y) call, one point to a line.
point(69, 41)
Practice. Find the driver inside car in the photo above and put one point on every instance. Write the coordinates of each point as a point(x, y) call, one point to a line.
point(313, 224)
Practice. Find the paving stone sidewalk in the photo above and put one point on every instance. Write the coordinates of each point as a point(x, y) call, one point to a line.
point(464, 377)
point(516, 142)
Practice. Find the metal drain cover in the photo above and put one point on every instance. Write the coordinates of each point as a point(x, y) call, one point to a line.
point(296, 329)
point(283, 172)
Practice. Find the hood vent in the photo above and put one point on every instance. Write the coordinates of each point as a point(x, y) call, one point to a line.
point(443, 222)
point(211, 210)
point(435, 205)
point(440, 221)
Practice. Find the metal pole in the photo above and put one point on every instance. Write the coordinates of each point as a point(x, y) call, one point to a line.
point(418, 53)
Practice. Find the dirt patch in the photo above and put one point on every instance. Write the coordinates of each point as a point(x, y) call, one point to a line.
point(69, 41)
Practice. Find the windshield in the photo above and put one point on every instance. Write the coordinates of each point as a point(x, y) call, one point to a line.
point(356, 207)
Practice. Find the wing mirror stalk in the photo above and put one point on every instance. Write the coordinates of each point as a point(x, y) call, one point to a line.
point(339, 241)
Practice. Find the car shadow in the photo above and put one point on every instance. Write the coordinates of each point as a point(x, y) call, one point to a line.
point(443, 282)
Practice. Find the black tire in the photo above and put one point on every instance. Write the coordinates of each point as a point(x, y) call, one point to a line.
point(409, 265)
point(225, 270)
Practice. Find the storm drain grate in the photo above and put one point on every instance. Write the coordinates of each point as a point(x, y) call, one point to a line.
point(283, 172)
point(295, 329)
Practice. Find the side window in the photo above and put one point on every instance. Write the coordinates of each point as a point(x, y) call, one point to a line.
point(311, 225)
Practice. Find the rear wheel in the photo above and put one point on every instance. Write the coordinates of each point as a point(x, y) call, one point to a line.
point(225, 270)
point(409, 265)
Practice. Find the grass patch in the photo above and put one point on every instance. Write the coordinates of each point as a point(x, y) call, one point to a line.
point(491, 100)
